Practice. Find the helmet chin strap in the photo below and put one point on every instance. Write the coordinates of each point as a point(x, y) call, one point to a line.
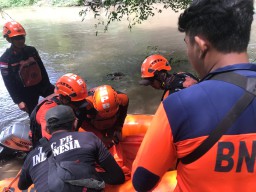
point(64, 99)
point(8, 39)
point(161, 77)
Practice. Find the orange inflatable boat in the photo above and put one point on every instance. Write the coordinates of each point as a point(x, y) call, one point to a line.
point(134, 129)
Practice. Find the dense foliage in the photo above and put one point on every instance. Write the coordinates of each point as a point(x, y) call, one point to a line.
point(67, 2)
point(16, 3)
point(135, 11)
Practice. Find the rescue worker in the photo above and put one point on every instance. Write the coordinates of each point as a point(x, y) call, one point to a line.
point(108, 110)
point(70, 90)
point(22, 69)
point(211, 126)
point(154, 72)
point(70, 149)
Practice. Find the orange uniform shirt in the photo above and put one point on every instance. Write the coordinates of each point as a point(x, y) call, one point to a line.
point(40, 117)
point(182, 122)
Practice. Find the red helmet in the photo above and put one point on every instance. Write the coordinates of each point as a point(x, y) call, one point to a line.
point(71, 85)
point(105, 101)
point(12, 29)
point(154, 63)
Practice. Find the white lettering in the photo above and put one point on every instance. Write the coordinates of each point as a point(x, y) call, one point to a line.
point(62, 140)
point(61, 149)
point(40, 157)
point(80, 81)
point(66, 147)
point(76, 144)
point(55, 151)
point(103, 91)
point(73, 144)
point(104, 98)
point(69, 138)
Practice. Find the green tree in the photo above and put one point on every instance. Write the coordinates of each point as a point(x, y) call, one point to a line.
point(135, 11)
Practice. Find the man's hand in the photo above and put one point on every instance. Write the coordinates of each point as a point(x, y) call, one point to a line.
point(117, 136)
point(112, 138)
point(182, 80)
point(23, 106)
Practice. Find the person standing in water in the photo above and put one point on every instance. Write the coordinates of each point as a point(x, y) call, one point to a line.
point(22, 69)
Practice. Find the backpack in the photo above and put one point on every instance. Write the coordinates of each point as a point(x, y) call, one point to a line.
point(29, 70)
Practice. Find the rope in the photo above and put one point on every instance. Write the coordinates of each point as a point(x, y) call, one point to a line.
point(4, 13)
point(8, 189)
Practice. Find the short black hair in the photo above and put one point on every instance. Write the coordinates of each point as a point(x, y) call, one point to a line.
point(226, 24)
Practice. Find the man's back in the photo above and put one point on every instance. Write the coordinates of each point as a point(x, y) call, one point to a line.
point(232, 158)
point(35, 170)
point(217, 34)
point(187, 118)
point(71, 146)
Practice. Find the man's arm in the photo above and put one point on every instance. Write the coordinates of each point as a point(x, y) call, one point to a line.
point(25, 180)
point(157, 144)
point(9, 79)
point(113, 173)
point(123, 108)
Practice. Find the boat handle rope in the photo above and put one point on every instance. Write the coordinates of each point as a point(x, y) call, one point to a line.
point(8, 189)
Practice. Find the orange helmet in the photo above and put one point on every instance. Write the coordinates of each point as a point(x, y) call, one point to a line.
point(105, 101)
point(71, 85)
point(154, 63)
point(12, 29)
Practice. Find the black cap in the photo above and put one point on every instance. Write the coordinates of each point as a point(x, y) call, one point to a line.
point(58, 115)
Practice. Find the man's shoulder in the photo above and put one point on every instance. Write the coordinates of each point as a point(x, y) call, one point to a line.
point(30, 49)
point(189, 98)
point(83, 134)
point(73, 133)
point(85, 137)
point(30, 155)
point(189, 92)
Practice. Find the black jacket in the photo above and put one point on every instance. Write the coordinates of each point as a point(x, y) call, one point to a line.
point(13, 81)
point(84, 147)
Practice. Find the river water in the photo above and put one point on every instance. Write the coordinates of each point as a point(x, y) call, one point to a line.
point(68, 44)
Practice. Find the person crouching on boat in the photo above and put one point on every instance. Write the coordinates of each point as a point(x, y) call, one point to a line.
point(66, 162)
point(107, 113)
point(70, 90)
point(108, 110)
point(154, 72)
